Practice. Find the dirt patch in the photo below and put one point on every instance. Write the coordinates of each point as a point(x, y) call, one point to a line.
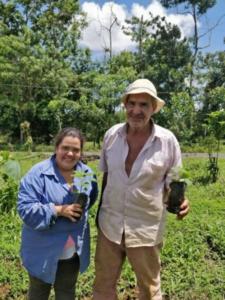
point(4, 290)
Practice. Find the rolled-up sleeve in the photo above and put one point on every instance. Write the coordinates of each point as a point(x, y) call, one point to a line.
point(175, 158)
point(32, 211)
point(103, 162)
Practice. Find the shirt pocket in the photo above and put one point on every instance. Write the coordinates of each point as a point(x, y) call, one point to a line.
point(153, 174)
point(114, 158)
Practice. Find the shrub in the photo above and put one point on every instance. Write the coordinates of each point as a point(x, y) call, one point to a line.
point(8, 194)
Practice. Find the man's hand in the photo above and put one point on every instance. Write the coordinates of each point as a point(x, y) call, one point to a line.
point(184, 209)
point(70, 211)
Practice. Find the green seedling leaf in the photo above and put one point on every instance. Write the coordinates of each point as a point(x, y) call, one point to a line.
point(180, 174)
point(83, 176)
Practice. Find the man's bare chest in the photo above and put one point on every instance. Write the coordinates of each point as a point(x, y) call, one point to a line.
point(135, 147)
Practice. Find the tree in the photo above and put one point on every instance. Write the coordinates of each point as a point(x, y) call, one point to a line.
point(137, 29)
point(196, 8)
point(100, 103)
point(180, 116)
point(167, 56)
point(11, 19)
point(123, 60)
point(38, 43)
point(164, 55)
point(113, 21)
point(212, 93)
point(215, 65)
point(216, 130)
point(29, 80)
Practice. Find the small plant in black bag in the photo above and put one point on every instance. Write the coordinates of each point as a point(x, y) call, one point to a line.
point(80, 196)
point(179, 181)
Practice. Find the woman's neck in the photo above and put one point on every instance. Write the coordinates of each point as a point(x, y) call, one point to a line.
point(68, 175)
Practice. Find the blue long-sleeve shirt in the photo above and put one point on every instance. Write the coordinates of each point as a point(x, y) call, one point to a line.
point(44, 235)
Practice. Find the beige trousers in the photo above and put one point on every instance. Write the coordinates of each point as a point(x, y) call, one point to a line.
point(109, 259)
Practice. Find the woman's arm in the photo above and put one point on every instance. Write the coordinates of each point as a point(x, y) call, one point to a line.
point(32, 211)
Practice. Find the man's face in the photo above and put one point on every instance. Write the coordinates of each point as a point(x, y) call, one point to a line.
point(139, 109)
point(68, 153)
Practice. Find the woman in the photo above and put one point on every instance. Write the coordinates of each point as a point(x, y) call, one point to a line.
point(55, 237)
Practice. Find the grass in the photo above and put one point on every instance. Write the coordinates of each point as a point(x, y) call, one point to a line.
point(89, 146)
point(201, 147)
point(193, 256)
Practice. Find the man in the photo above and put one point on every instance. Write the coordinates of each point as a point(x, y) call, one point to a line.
point(136, 158)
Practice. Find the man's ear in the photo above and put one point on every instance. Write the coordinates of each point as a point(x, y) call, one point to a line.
point(154, 104)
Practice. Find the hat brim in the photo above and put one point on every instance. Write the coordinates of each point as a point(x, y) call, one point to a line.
point(159, 102)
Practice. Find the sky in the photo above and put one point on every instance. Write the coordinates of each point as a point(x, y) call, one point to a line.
point(99, 17)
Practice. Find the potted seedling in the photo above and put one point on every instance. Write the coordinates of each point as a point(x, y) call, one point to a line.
point(80, 196)
point(179, 181)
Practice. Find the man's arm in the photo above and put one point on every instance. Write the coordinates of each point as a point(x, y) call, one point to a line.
point(104, 182)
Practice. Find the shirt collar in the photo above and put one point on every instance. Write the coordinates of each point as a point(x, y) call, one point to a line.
point(156, 132)
point(51, 168)
point(123, 130)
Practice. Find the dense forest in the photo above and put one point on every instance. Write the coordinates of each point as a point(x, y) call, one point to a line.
point(48, 81)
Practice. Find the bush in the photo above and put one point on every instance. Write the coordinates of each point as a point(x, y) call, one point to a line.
point(43, 148)
point(8, 194)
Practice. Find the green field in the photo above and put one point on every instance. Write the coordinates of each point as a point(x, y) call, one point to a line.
point(193, 256)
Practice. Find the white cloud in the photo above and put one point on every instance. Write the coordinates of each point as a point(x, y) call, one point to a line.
point(96, 35)
point(185, 23)
point(155, 8)
point(100, 18)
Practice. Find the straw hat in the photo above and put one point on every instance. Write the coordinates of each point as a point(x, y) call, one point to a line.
point(144, 86)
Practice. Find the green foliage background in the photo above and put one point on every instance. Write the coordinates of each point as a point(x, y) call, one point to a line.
point(50, 81)
point(192, 257)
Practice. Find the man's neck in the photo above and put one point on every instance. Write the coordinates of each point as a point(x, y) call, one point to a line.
point(145, 131)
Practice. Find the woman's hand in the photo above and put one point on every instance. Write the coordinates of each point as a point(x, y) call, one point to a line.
point(184, 209)
point(70, 211)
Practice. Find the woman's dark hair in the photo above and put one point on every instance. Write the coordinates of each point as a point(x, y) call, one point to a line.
point(69, 131)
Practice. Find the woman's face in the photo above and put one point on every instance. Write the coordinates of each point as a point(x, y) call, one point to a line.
point(68, 153)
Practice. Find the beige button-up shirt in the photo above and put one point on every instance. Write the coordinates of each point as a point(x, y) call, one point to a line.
point(135, 205)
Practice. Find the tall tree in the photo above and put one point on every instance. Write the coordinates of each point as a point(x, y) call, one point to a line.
point(196, 8)
point(137, 29)
point(167, 57)
point(212, 80)
point(180, 116)
point(38, 45)
point(164, 55)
